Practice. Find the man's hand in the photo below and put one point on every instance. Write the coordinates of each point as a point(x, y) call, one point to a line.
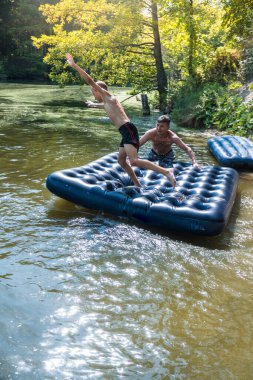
point(70, 60)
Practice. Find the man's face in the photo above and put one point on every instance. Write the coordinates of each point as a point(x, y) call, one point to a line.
point(162, 128)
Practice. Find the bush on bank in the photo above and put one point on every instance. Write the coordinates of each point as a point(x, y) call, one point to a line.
point(213, 105)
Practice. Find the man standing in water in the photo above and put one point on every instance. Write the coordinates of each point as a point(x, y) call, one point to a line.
point(130, 138)
point(162, 140)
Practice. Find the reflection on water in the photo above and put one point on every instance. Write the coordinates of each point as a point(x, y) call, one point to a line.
point(86, 295)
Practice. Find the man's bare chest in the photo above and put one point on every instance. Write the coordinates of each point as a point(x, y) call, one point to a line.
point(165, 141)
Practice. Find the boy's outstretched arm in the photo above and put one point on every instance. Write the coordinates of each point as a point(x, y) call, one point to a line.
point(88, 79)
point(90, 104)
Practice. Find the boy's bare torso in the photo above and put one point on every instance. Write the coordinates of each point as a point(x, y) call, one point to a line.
point(114, 110)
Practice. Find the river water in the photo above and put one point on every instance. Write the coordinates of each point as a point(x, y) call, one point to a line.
point(88, 296)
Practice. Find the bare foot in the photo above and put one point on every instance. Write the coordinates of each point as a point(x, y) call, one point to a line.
point(137, 183)
point(171, 177)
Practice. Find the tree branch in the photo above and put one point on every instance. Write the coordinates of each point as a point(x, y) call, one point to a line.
point(139, 52)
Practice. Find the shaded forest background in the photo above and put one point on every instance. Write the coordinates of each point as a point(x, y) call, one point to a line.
point(193, 58)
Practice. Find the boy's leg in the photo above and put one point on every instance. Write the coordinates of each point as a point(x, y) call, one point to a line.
point(132, 154)
point(123, 163)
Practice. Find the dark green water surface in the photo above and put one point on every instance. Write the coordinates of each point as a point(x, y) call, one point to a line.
point(88, 296)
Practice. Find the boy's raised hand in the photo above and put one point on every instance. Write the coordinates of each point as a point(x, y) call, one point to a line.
point(70, 59)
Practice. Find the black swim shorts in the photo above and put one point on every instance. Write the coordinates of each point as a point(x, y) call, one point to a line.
point(164, 160)
point(129, 135)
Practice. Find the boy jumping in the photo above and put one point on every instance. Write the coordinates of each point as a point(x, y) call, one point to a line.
point(130, 138)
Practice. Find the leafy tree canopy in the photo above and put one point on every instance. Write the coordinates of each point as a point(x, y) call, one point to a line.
point(103, 37)
point(239, 17)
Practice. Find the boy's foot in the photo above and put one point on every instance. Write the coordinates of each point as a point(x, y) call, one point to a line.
point(171, 177)
point(137, 183)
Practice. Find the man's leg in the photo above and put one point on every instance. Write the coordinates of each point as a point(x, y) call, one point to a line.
point(122, 161)
point(152, 156)
point(132, 154)
point(167, 160)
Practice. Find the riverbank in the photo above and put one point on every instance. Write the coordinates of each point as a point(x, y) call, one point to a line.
point(228, 109)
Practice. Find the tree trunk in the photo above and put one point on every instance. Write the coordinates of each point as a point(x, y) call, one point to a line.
point(192, 40)
point(160, 72)
point(145, 105)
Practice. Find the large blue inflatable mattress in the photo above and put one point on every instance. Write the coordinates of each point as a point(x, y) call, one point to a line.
point(201, 202)
point(232, 151)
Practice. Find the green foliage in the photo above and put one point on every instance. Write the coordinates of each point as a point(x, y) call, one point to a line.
point(154, 99)
point(18, 21)
point(213, 106)
point(184, 100)
point(225, 111)
point(223, 65)
point(236, 85)
point(93, 32)
point(2, 72)
point(246, 64)
point(29, 68)
point(7, 43)
point(191, 35)
point(239, 17)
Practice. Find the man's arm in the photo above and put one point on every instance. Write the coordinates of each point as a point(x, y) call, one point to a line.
point(145, 138)
point(187, 149)
point(88, 79)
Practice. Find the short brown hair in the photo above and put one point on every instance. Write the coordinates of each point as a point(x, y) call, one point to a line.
point(164, 119)
point(102, 84)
